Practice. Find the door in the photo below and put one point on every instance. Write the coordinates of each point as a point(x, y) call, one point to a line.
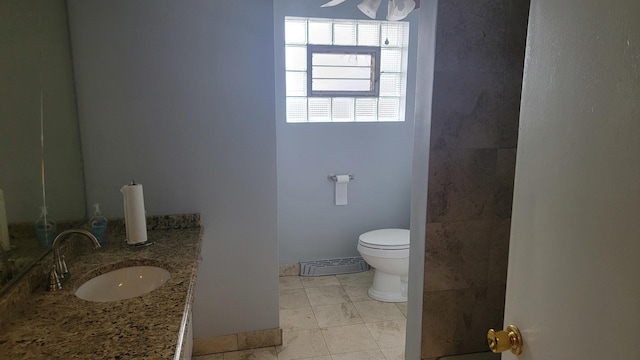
point(573, 285)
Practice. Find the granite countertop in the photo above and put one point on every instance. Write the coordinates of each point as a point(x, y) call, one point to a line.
point(58, 325)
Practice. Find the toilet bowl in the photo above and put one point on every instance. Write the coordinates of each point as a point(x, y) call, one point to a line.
point(387, 251)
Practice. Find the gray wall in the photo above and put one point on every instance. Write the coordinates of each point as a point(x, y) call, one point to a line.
point(474, 131)
point(310, 226)
point(179, 97)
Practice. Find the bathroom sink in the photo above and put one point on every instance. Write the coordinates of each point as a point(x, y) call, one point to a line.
point(123, 283)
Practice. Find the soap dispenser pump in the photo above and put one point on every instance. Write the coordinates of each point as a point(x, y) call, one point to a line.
point(99, 225)
point(45, 228)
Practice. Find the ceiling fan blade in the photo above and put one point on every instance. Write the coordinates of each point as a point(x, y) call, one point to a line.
point(333, 3)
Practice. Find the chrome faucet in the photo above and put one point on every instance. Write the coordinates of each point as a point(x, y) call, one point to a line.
point(59, 270)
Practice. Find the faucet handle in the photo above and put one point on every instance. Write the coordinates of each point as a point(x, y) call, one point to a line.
point(54, 280)
point(64, 272)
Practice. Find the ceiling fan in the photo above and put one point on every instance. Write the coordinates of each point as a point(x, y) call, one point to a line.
point(396, 9)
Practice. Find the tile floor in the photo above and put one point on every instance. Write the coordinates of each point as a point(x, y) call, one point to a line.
point(332, 318)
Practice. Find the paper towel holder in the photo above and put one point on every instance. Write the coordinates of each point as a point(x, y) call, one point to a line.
point(137, 245)
point(334, 177)
point(125, 244)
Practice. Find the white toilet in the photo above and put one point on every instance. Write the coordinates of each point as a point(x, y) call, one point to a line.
point(387, 250)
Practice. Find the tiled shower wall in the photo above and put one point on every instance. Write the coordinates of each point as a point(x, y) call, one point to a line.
point(478, 76)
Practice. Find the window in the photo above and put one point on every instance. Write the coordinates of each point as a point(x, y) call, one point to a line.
point(345, 70)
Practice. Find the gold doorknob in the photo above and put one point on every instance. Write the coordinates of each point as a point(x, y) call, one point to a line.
point(504, 340)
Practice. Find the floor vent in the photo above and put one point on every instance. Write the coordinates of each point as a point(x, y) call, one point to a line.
point(346, 265)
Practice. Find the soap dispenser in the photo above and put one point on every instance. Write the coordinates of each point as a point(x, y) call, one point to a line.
point(99, 225)
point(45, 228)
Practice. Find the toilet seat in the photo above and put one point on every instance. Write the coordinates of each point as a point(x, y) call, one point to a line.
point(385, 239)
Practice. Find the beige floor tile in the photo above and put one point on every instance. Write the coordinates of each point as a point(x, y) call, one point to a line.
point(290, 282)
point(375, 311)
point(327, 295)
point(297, 319)
point(358, 292)
point(403, 308)
point(293, 298)
point(348, 338)
point(360, 355)
point(337, 315)
point(254, 354)
point(341, 331)
point(209, 357)
point(394, 353)
point(302, 344)
point(357, 278)
point(390, 333)
point(289, 269)
point(318, 281)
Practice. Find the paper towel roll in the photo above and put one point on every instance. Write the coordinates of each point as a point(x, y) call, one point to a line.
point(134, 215)
point(4, 227)
point(341, 189)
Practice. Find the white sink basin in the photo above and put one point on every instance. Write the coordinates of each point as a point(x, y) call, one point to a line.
point(123, 283)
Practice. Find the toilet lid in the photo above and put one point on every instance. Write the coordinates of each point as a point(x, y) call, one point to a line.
point(386, 239)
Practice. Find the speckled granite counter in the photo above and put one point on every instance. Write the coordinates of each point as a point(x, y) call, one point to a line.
point(58, 325)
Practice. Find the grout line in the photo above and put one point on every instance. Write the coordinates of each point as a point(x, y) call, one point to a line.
point(323, 337)
point(373, 337)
